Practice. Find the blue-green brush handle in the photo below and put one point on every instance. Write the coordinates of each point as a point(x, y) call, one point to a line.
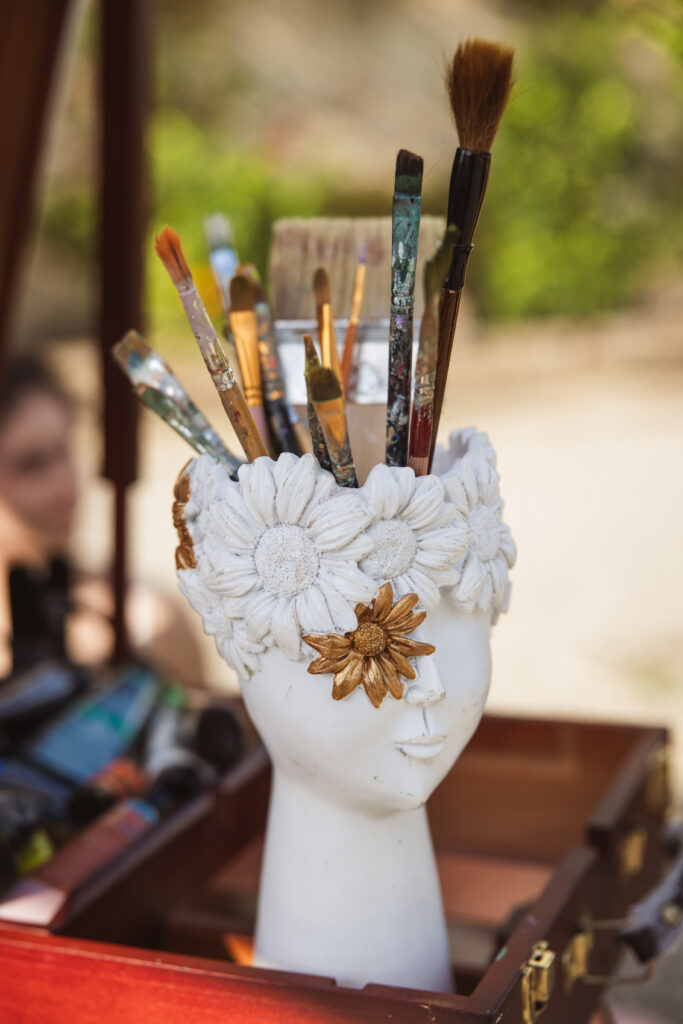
point(404, 242)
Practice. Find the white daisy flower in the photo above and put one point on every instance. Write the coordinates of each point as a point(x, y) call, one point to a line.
point(472, 486)
point(231, 639)
point(460, 442)
point(416, 542)
point(279, 551)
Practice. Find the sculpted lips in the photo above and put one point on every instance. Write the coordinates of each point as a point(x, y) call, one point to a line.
point(424, 747)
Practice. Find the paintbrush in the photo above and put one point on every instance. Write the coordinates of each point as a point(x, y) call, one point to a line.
point(328, 402)
point(159, 389)
point(317, 436)
point(328, 338)
point(223, 260)
point(169, 250)
point(222, 255)
point(354, 317)
point(435, 270)
point(478, 83)
point(405, 224)
point(281, 417)
point(244, 327)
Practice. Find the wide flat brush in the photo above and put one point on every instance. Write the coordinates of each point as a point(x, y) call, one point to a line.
point(159, 389)
point(435, 270)
point(404, 241)
point(328, 337)
point(169, 250)
point(354, 317)
point(317, 436)
point(244, 327)
point(328, 402)
point(478, 82)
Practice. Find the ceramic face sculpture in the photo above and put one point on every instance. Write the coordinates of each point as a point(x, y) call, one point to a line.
point(358, 622)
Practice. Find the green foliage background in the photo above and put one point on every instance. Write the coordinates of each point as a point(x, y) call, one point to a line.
point(583, 212)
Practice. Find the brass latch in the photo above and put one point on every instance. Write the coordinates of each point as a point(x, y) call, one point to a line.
point(538, 975)
point(575, 958)
point(631, 852)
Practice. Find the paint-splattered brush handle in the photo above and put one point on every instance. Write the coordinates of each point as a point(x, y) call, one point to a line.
point(281, 417)
point(423, 394)
point(404, 240)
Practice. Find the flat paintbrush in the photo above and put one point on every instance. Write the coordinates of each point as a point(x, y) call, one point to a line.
point(244, 326)
point(479, 80)
point(169, 250)
point(354, 317)
point(435, 270)
point(317, 436)
point(328, 337)
point(159, 389)
point(281, 416)
point(328, 402)
point(404, 238)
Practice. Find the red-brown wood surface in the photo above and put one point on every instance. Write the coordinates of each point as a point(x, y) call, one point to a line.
point(47, 979)
point(52, 978)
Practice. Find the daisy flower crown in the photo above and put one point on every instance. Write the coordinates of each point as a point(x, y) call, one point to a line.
point(285, 557)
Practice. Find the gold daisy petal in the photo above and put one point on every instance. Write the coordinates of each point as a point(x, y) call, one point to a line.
point(411, 648)
point(406, 624)
point(321, 665)
point(363, 613)
point(346, 681)
point(391, 680)
point(331, 645)
point(381, 605)
point(401, 663)
point(401, 608)
point(373, 682)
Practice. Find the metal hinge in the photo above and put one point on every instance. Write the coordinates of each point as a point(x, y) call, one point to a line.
point(538, 975)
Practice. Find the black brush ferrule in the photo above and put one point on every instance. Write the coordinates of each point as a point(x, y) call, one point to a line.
point(465, 195)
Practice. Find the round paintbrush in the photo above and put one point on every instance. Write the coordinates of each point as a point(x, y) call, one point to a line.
point(478, 82)
point(323, 306)
point(169, 250)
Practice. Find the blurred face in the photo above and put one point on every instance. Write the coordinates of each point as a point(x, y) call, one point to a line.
point(383, 759)
point(37, 474)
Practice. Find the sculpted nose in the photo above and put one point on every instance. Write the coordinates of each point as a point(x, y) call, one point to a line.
point(427, 688)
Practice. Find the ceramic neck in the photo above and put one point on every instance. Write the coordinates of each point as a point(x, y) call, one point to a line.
point(353, 889)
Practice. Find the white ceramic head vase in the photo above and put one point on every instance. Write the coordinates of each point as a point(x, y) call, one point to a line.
point(349, 885)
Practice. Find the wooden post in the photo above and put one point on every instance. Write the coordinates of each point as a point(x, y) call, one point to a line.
point(123, 49)
point(30, 42)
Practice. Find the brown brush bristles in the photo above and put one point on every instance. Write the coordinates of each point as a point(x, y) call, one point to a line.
point(324, 385)
point(241, 294)
point(478, 82)
point(170, 252)
point(321, 286)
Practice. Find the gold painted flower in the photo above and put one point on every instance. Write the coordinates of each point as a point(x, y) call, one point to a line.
point(376, 652)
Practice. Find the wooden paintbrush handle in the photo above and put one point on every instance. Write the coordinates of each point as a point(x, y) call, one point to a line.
point(243, 424)
point(347, 356)
point(449, 303)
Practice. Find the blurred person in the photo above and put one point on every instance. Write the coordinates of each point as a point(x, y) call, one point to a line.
point(38, 500)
